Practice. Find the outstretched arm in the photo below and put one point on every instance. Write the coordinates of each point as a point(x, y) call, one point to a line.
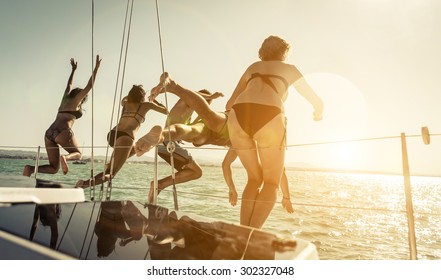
point(156, 106)
point(70, 80)
point(229, 158)
point(89, 85)
point(93, 76)
point(307, 92)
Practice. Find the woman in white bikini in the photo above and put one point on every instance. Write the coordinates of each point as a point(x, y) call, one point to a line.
point(257, 125)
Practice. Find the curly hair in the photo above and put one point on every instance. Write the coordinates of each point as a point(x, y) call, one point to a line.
point(274, 48)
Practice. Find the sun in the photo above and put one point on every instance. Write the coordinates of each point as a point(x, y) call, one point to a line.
point(345, 156)
point(345, 119)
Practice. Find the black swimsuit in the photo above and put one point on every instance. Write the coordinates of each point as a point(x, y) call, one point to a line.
point(77, 114)
point(134, 115)
point(253, 116)
point(111, 135)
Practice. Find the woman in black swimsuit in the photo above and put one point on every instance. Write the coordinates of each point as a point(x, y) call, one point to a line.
point(121, 137)
point(257, 125)
point(60, 132)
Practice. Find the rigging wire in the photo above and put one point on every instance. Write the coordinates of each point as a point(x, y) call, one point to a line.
point(223, 148)
point(67, 226)
point(170, 144)
point(92, 178)
point(87, 231)
point(127, 28)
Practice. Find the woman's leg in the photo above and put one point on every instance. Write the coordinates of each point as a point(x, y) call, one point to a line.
point(68, 141)
point(175, 132)
point(191, 171)
point(272, 155)
point(179, 113)
point(214, 120)
point(246, 150)
point(53, 154)
point(121, 152)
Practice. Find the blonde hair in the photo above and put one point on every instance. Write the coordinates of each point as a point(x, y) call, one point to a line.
point(274, 48)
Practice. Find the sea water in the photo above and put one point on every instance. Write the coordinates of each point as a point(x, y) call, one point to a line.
point(347, 216)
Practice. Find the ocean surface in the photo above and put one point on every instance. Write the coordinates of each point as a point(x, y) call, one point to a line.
point(347, 216)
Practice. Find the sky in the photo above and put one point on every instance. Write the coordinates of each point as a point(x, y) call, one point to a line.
point(375, 63)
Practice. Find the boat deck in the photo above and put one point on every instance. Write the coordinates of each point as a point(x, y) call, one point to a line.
point(129, 230)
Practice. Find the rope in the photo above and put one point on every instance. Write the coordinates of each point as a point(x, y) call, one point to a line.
point(123, 40)
point(92, 178)
point(169, 148)
point(109, 184)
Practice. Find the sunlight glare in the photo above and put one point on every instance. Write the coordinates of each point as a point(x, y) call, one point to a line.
point(345, 155)
point(345, 118)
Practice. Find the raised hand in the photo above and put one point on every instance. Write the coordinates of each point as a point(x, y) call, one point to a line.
point(97, 62)
point(73, 63)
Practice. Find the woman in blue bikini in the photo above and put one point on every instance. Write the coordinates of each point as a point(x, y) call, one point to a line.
point(257, 125)
point(60, 132)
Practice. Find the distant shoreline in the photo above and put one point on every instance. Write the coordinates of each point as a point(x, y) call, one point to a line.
point(21, 155)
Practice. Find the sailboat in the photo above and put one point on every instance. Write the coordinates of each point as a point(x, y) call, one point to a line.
point(72, 227)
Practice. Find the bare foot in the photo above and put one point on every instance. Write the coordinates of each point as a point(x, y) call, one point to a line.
point(82, 184)
point(27, 171)
point(64, 165)
point(148, 141)
point(165, 80)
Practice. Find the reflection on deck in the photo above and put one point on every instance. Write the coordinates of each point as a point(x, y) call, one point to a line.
point(130, 230)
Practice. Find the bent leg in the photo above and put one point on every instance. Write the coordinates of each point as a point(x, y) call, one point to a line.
point(179, 113)
point(53, 155)
point(214, 120)
point(191, 171)
point(69, 142)
point(123, 149)
point(149, 140)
